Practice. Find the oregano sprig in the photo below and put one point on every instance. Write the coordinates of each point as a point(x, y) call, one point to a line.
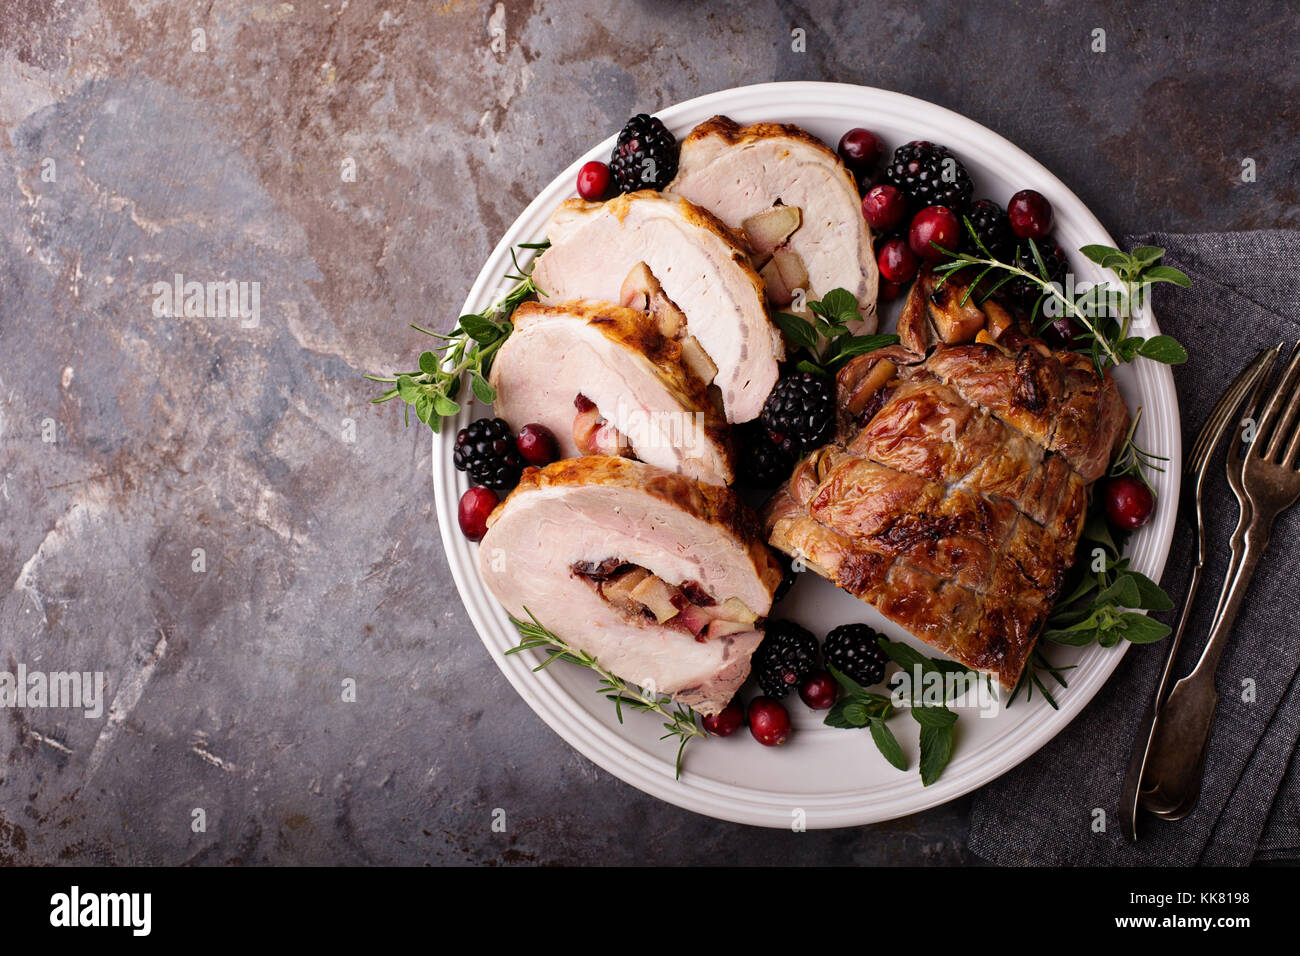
point(1104, 312)
point(432, 390)
point(678, 722)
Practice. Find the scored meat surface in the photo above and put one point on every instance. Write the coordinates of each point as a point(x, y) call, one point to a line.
point(954, 496)
point(737, 172)
point(698, 264)
point(555, 544)
point(617, 359)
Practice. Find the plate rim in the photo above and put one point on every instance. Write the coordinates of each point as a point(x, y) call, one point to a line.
point(617, 754)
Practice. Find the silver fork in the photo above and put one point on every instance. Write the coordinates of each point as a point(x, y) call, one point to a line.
point(1216, 426)
point(1270, 478)
point(1158, 802)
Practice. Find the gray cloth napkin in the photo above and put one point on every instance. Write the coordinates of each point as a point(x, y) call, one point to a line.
point(1244, 296)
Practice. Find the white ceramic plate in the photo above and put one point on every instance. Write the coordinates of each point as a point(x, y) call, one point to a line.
point(828, 777)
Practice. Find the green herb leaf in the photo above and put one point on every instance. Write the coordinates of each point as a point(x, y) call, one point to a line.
point(1098, 253)
point(798, 329)
point(1140, 629)
point(852, 345)
point(1166, 274)
point(936, 751)
point(932, 715)
point(887, 744)
point(1165, 349)
point(483, 390)
point(1150, 595)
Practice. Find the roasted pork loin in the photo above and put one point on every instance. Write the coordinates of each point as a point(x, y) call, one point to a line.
point(954, 496)
point(633, 377)
point(697, 262)
point(738, 172)
point(665, 580)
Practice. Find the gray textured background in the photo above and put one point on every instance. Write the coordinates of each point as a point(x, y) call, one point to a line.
point(322, 556)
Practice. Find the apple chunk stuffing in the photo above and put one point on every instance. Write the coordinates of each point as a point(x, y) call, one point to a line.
point(641, 595)
point(594, 435)
point(780, 268)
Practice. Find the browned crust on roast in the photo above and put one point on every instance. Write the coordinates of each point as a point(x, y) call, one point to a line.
point(692, 215)
point(639, 331)
point(712, 504)
point(733, 134)
point(1053, 400)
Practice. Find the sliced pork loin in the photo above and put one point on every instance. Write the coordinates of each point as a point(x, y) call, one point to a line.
point(666, 581)
point(739, 172)
point(697, 262)
point(635, 381)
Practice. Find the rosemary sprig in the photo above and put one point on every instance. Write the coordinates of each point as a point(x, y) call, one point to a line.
point(678, 722)
point(1104, 312)
point(1132, 460)
point(1029, 678)
point(469, 347)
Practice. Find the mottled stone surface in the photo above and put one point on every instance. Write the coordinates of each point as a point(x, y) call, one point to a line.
point(322, 559)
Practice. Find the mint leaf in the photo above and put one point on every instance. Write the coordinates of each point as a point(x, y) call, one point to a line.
point(932, 716)
point(799, 330)
point(840, 306)
point(887, 744)
point(936, 751)
point(848, 683)
point(804, 365)
point(852, 345)
point(836, 717)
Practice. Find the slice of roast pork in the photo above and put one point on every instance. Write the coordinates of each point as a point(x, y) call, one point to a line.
point(666, 581)
point(739, 172)
point(635, 381)
point(698, 263)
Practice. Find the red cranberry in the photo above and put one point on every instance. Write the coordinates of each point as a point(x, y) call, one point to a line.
point(727, 721)
point(937, 224)
point(860, 149)
point(1030, 214)
point(537, 445)
point(896, 261)
point(475, 506)
point(1129, 502)
point(883, 207)
point(593, 181)
point(889, 291)
point(768, 722)
point(819, 691)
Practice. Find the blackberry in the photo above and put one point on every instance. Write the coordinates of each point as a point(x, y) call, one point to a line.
point(800, 412)
point(788, 576)
point(787, 656)
point(854, 651)
point(921, 171)
point(486, 449)
point(763, 463)
point(645, 156)
point(991, 225)
point(1026, 292)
